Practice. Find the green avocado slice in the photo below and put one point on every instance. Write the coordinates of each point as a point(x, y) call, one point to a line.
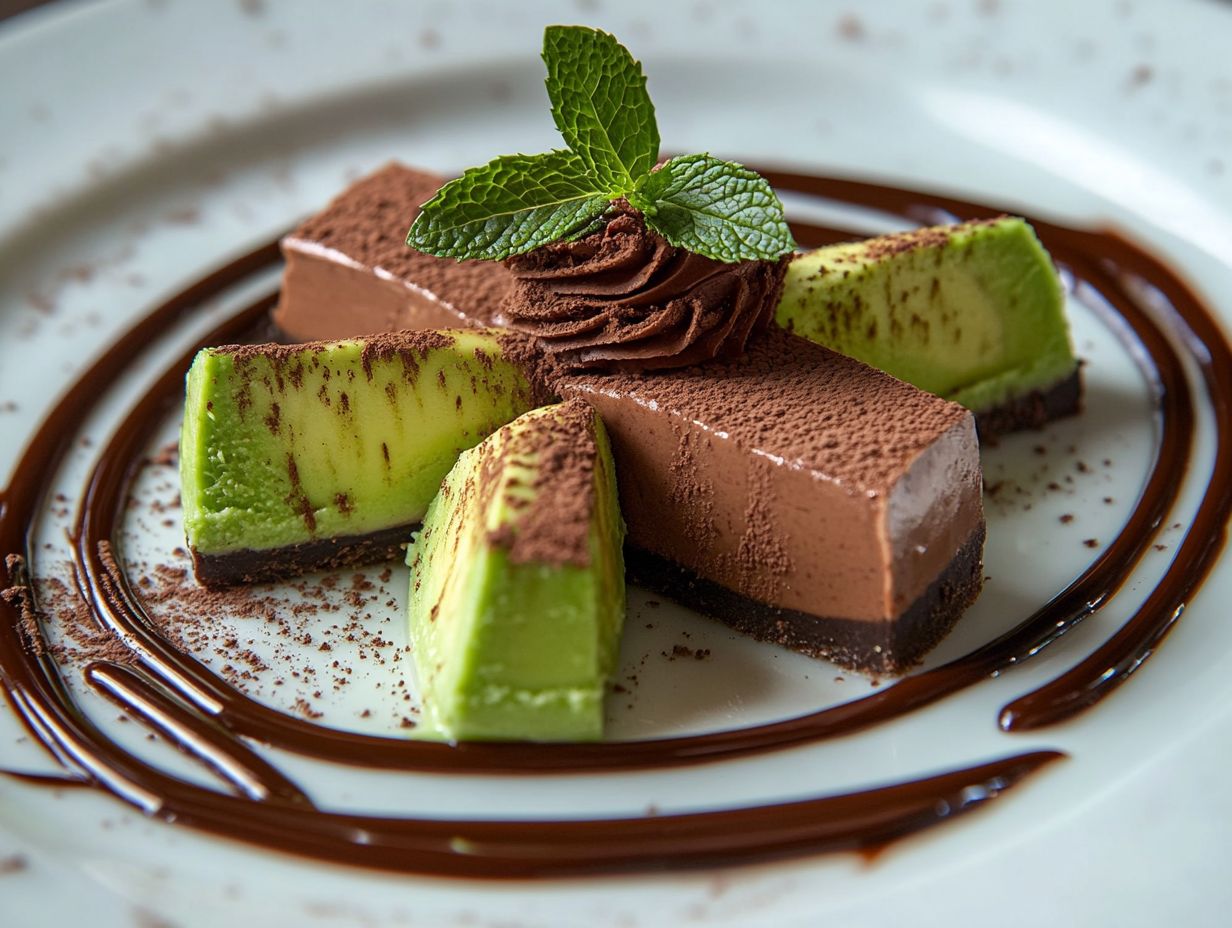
point(286, 449)
point(517, 592)
point(972, 312)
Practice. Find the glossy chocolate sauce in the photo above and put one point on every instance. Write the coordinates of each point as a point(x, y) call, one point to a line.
point(266, 808)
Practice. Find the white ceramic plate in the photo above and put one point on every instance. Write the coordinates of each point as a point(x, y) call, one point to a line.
point(145, 143)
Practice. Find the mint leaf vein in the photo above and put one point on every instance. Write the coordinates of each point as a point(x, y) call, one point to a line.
point(509, 206)
point(600, 105)
point(715, 208)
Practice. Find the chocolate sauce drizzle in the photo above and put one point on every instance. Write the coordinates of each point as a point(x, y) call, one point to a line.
point(208, 719)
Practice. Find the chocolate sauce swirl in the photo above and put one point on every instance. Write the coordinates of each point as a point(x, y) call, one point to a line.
point(623, 297)
point(174, 693)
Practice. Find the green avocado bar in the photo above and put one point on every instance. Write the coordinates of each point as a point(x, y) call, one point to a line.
point(517, 593)
point(972, 312)
point(299, 457)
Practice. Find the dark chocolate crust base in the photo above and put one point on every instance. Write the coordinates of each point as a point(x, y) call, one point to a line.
point(870, 647)
point(250, 566)
point(1032, 410)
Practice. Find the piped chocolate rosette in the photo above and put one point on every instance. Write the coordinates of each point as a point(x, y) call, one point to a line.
point(624, 297)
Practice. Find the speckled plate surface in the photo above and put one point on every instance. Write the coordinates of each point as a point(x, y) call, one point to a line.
point(147, 142)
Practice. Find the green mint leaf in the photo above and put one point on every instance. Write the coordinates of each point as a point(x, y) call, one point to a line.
point(509, 206)
point(600, 105)
point(714, 208)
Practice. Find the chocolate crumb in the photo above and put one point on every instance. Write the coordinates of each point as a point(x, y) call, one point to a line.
point(1141, 75)
point(851, 28)
point(682, 651)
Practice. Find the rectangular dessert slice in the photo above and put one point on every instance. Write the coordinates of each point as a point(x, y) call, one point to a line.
point(518, 584)
point(799, 495)
point(973, 312)
point(297, 457)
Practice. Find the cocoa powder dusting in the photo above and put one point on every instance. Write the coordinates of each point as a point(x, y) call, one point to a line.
point(693, 494)
point(762, 557)
point(539, 368)
point(765, 401)
point(53, 604)
point(553, 525)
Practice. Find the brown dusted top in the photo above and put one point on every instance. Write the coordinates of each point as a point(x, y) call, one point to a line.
point(865, 436)
point(625, 298)
point(411, 346)
point(898, 243)
point(379, 347)
point(553, 526)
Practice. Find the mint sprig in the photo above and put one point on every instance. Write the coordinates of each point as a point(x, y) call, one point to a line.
point(597, 90)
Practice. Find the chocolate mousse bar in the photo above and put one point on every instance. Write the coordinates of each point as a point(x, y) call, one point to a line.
point(349, 271)
point(801, 496)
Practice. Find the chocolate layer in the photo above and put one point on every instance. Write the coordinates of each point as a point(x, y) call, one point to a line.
point(236, 567)
point(875, 648)
point(1034, 410)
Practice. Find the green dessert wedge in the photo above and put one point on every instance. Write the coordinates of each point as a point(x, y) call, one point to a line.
point(972, 312)
point(517, 584)
point(304, 456)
